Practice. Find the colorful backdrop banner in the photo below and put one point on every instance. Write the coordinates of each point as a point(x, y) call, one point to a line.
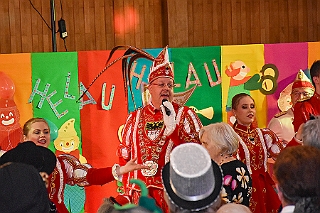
point(50, 85)
point(103, 113)
point(18, 68)
point(200, 67)
point(289, 59)
point(241, 73)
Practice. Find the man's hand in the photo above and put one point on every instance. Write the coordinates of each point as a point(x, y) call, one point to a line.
point(169, 121)
point(131, 166)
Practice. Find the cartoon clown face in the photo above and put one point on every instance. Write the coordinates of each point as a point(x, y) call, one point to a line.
point(9, 115)
point(67, 144)
point(67, 139)
point(10, 129)
point(7, 118)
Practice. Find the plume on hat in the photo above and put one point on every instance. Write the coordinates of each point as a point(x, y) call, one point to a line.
point(131, 54)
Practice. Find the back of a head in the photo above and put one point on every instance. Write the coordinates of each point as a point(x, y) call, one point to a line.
point(137, 209)
point(297, 170)
point(311, 133)
point(315, 70)
point(43, 159)
point(233, 208)
point(22, 189)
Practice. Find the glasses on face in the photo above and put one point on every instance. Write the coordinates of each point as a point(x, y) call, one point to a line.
point(304, 94)
point(162, 85)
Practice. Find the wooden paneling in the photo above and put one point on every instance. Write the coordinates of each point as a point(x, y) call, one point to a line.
point(244, 22)
point(103, 24)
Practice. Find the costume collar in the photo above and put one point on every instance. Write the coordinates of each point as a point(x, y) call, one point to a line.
point(152, 108)
point(243, 128)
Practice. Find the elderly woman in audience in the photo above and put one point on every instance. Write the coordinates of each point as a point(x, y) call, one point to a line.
point(297, 171)
point(222, 143)
point(256, 145)
point(311, 133)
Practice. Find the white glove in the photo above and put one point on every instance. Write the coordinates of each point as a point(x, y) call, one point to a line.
point(169, 121)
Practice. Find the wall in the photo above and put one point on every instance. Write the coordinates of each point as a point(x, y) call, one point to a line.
point(103, 24)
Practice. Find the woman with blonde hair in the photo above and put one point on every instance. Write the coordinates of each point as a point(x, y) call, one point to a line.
point(68, 169)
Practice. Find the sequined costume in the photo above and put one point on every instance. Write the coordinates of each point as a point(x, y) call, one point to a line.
point(254, 148)
point(70, 171)
point(143, 137)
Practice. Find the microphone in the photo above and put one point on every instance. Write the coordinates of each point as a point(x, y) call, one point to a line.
point(168, 112)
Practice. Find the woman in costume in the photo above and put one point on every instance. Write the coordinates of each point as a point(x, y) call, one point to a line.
point(68, 169)
point(256, 145)
point(222, 143)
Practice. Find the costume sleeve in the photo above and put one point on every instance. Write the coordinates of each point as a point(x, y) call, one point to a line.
point(293, 142)
point(99, 176)
point(124, 149)
point(273, 144)
point(275, 126)
point(302, 111)
point(188, 127)
point(83, 174)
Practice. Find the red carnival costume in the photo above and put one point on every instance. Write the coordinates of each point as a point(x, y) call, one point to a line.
point(255, 146)
point(70, 171)
point(146, 136)
point(305, 107)
point(303, 110)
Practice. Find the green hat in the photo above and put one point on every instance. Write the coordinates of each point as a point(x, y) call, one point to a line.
point(144, 201)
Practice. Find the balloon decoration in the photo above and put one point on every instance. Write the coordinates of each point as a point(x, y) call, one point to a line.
point(7, 88)
point(10, 129)
point(53, 130)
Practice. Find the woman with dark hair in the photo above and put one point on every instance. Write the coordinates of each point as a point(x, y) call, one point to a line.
point(256, 145)
point(297, 171)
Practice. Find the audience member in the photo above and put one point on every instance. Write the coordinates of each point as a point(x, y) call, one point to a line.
point(222, 143)
point(22, 190)
point(146, 204)
point(107, 206)
point(281, 124)
point(68, 169)
point(311, 133)
point(255, 146)
point(192, 181)
point(29, 153)
point(151, 132)
point(304, 110)
point(233, 208)
point(297, 171)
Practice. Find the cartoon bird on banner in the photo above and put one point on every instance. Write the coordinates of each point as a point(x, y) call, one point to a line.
point(266, 82)
point(10, 129)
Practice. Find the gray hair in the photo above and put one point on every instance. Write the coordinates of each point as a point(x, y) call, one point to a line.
point(311, 133)
point(222, 136)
